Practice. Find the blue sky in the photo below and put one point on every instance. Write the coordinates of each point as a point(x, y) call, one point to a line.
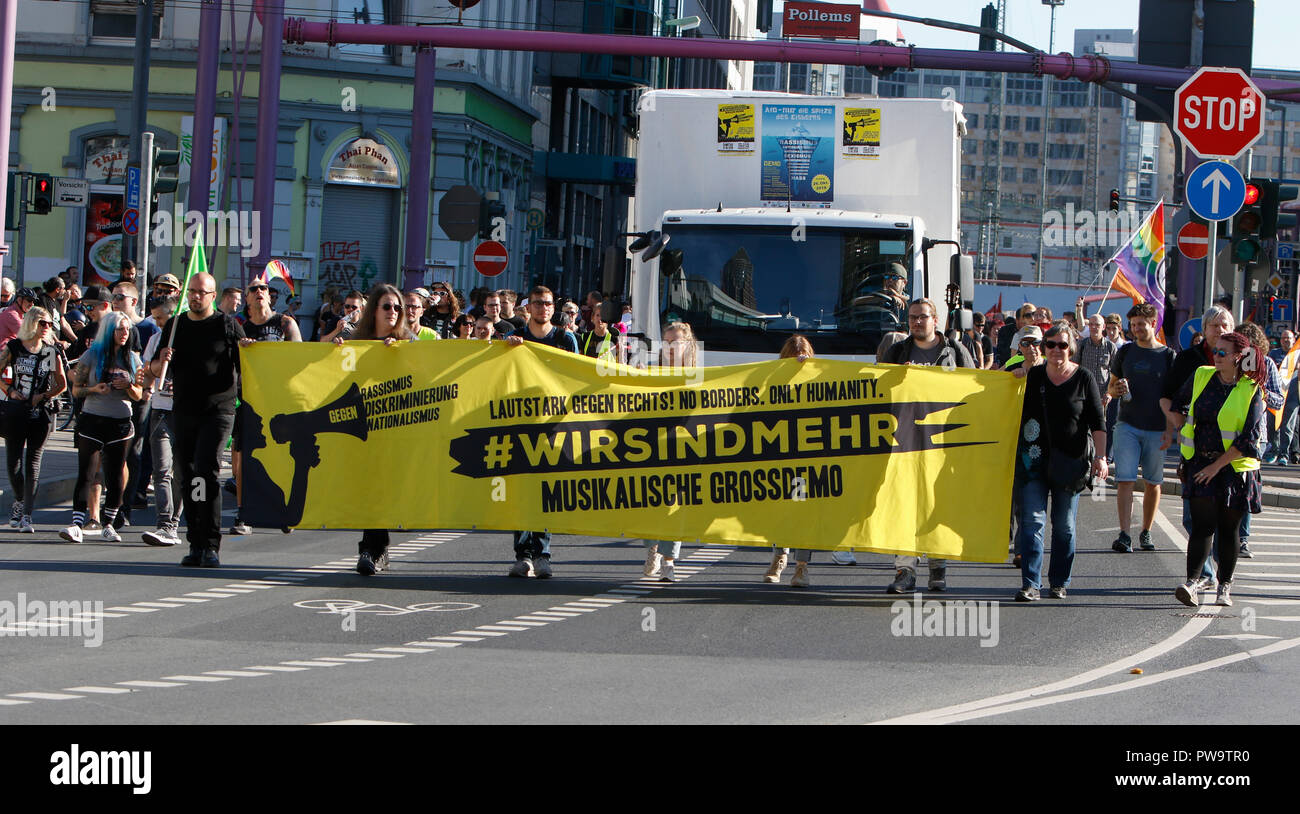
point(1276, 24)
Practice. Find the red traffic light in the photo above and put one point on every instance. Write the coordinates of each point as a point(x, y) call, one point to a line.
point(1252, 195)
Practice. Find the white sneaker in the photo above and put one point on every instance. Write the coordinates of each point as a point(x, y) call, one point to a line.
point(110, 534)
point(522, 568)
point(160, 537)
point(542, 567)
point(774, 570)
point(72, 534)
point(652, 560)
point(843, 558)
point(667, 573)
point(25, 526)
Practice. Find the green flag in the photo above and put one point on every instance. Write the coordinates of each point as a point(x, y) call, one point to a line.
point(198, 265)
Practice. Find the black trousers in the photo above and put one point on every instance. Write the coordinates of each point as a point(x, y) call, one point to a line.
point(197, 442)
point(1209, 518)
point(374, 542)
point(24, 446)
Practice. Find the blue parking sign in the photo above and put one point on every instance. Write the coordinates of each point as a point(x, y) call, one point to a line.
point(132, 187)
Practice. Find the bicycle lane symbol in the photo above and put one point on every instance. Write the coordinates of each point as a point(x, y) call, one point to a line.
point(353, 606)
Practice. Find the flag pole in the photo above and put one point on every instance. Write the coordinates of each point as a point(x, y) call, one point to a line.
point(194, 266)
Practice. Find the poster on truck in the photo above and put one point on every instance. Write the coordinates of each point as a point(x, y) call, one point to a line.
point(798, 153)
point(860, 132)
point(736, 129)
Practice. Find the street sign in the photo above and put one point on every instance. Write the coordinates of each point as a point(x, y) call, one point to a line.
point(132, 187)
point(1285, 251)
point(71, 191)
point(1283, 310)
point(1215, 190)
point(490, 258)
point(1190, 328)
point(1219, 112)
point(827, 20)
point(1194, 240)
point(131, 221)
point(536, 219)
point(458, 213)
point(1275, 280)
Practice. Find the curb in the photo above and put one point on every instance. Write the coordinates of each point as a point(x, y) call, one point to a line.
point(51, 492)
point(1271, 497)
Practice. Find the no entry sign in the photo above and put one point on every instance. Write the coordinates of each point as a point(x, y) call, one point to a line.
point(490, 258)
point(1194, 241)
point(1219, 112)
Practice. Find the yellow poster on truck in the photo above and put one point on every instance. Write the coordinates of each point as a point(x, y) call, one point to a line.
point(817, 454)
point(736, 129)
point(860, 132)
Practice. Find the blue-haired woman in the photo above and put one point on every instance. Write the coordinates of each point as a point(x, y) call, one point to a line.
point(107, 376)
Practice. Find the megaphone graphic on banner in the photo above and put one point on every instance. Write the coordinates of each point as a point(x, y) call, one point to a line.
point(346, 414)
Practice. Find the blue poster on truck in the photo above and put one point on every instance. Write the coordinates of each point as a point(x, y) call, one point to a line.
point(799, 153)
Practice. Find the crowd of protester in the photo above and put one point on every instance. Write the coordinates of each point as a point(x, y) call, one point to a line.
point(155, 400)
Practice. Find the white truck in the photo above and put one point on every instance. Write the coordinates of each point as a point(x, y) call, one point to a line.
point(760, 215)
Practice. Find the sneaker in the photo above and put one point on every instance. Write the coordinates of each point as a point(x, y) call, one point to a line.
point(240, 528)
point(1123, 544)
point(652, 560)
point(1187, 594)
point(366, 565)
point(381, 562)
point(160, 537)
point(779, 561)
point(121, 521)
point(1225, 597)
point(542, 567)
point(800, 578)
point(1245, 551)
point(904, 582)
point(92, 525)
point(16, 514)
point(1028, 595)
point(25, 526)
point(72, 534)
point(523, 567)
point(210, 559)
point(843, 558)
point(192, 559)
point(668, 573)
point(1056, 593)
point(1272, 459)
point(938, 579)
point(1205, 583)
point(110, 534)
point(1144, 541)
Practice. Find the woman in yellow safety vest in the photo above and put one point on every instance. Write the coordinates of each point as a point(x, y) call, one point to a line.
point(1221, 438)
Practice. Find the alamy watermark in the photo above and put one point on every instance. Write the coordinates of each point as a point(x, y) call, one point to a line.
point(950, 619)
point(69, 618)
point(233, 230)
point(1085, 227)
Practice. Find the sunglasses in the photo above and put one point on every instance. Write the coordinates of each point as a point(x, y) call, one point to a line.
point(551, 303)
point(413, 306)
point(255, 288)
point(1056, 345)
point(1029, 343)
point(45, 323)
point(390, 306)
point(1219, 352)
point(351, 307)
point(119, 297)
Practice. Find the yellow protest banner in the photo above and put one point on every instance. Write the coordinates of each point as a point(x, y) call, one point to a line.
point(464, 434)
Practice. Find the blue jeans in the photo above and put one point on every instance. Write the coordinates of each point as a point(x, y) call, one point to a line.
point(532, 544)
point(1286, 435)
point(1034, 494)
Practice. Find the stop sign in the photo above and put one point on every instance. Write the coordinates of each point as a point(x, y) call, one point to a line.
point(490, 258)
point(1194, 240)
point(1219, 112)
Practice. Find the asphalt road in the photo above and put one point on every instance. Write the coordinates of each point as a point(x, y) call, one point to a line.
point(286, 632)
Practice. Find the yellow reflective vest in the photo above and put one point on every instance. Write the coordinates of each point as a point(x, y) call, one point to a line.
point(1232, 417)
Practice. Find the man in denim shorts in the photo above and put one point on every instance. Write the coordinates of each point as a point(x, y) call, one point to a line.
point(1138, 373)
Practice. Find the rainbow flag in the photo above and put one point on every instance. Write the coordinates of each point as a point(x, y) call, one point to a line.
point(274, 269)
point(1140, 266)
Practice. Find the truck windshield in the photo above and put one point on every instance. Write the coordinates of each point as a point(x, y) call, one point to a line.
point(748, 288)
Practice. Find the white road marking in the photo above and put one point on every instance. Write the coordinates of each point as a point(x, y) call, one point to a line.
point(150, 684)
point(196, 678)
point(45, 696)
point(101, 690)
point(1242, 636)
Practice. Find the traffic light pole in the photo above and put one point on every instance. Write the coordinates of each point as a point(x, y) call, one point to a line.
point(1239, 268)
point(20, 251)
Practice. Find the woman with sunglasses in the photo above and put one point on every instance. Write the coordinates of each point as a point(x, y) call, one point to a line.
point(1218, 415)
point(463, 327)
point(106, 377)
point(383, 320)
point(1027, 353)
point(1062, 406)
point(29, 412)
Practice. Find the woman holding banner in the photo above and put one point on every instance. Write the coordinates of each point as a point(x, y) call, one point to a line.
point(1054, 459)
point(796, 347)
point(382, 320)
point(1220, 441)
point(679, 352)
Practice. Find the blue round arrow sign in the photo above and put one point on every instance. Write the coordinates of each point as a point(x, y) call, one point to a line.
point(1215, 190)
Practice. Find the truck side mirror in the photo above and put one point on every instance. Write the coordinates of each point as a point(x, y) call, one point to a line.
point(658, 241)
point(962, 275)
